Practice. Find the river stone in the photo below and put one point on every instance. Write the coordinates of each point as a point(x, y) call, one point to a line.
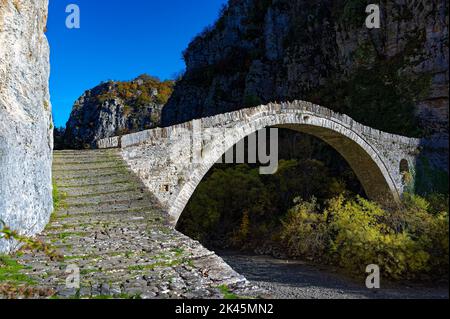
point(26, 127)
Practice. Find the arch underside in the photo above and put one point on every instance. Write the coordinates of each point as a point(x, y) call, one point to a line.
point(375, 180)
point(360, 155)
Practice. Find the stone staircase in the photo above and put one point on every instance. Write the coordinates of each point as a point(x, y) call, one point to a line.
point(111, 228)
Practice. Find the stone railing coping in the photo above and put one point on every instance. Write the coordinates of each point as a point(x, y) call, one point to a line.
point(250, 114)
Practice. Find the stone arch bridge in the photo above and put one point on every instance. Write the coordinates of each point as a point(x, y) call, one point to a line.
point(167, 159)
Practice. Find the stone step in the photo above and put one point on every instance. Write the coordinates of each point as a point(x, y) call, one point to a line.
point(134, 221)
point(95, 181)
point(106, 218)
point(139, 248)
point(134, 194)
point(85, 152)
point(147, 213)
point(113, 206)
point(106, 188)
point(86, 230)
point(133, 190)
point(104, 199)
point(108, 175)
point(82, 159)
point(88, 161)
point(89, 167)
point(67, 175)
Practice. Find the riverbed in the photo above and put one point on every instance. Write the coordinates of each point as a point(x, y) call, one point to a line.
point(291, 279)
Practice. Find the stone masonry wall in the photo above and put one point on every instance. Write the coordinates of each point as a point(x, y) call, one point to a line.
point(26, 127)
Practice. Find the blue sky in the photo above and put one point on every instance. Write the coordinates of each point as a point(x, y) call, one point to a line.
point(119, 40)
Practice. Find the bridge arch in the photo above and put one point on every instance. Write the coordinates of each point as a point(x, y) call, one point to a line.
point(162, 159)
point(363, 158)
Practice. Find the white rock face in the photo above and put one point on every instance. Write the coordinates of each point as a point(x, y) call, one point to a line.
point(26, 127)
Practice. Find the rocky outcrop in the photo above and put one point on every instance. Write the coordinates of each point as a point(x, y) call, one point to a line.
point(25, 118)
point(116, 108)
point(394, 78)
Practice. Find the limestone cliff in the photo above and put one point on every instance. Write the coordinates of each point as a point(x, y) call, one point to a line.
point(394, 78)
point(25, 118)
point(116, 108)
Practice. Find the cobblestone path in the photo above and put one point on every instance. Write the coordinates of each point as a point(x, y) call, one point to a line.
point(110, 227)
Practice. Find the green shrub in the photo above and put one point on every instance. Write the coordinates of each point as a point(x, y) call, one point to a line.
point(57, 197)
point(236, 206)
point(428, 224)
point(219, 213)
point(138, 94)
point(406, 243)
point(10, 272)
point(361, 239)
point(241, 235)
point(305, 232)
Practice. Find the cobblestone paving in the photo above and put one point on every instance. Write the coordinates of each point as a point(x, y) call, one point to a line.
point(112, 229)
